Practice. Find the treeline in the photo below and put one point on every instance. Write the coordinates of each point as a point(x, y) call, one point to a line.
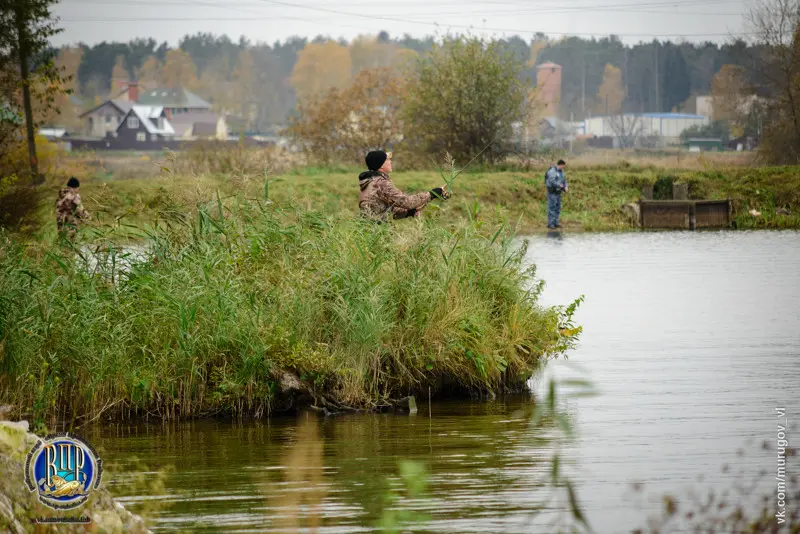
point(262, 83)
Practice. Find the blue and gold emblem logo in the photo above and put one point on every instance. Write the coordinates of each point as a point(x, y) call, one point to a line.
point(64, 470)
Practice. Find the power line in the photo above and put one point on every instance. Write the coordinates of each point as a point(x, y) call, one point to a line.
point(555, 8)
point(448, 26)
point(572, 9)
point(552, 10)
point(472, 27)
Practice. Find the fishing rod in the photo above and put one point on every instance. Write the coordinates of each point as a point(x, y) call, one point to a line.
point(451, 161)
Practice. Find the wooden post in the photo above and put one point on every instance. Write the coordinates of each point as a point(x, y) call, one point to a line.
point(680, 191)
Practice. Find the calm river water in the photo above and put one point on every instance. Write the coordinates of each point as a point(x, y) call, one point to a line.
point(692, 339)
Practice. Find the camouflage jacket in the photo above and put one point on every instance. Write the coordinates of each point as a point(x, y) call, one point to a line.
point(69, 207)
point(379, 197)
point(555, 181)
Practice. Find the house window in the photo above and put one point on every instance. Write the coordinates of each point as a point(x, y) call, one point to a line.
point(141, 137)
point(108, 119)
point(133, 123)
point(154, 137)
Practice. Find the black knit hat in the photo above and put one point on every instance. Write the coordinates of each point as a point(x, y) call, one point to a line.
point(376, 159)
point(73, 182)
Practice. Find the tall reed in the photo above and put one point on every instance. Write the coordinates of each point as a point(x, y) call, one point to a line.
point(227, 302)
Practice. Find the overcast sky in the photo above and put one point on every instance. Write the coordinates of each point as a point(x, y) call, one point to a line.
point(93, 21)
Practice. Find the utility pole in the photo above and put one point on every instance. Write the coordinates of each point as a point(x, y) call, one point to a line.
point(658, 95)
point(625, 74)
point(583, 88)
point(571, 131)
point(23, 53)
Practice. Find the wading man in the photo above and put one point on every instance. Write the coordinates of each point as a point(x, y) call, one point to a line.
point(556, 183)
point(69, 209)
point(380, 200)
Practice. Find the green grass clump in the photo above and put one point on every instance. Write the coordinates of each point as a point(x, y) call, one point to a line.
point(240, 293)
point(593, 204)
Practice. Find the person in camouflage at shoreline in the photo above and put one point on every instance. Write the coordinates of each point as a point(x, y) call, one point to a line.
point(380, 199)
point(69, 209)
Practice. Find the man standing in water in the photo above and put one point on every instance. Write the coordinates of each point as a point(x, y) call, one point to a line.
point(380, 199)
point(556, 184)
point(69, 209)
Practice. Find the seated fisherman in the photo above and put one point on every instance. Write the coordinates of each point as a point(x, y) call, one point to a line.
point(380, 199)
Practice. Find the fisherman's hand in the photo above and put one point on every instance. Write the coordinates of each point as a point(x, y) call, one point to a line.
point(440, 192)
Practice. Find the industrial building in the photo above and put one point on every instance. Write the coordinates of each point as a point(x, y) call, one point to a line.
point(667, 127)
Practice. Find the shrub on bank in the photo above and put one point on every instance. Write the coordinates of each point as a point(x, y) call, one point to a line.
point(229, 303)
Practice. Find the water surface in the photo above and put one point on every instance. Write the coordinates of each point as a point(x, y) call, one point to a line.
point(693, 340)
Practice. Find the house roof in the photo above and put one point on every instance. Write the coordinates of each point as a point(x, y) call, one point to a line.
point(124, 106)
point(172, 98)
point(183, 122)
point(672, 116)
point(548, 65)
point(653, 116)
point(148, 116)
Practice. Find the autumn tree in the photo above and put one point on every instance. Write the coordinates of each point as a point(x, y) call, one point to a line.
point(466, 96)
point(776, 27)
point(368, 52)
point(728, 91)
point(729, 97)
point(63, 112)
point(611, 93)
point(178, 71)
point(216, 85)
point(537, 45)
point(119, 77)
point(25, 30)
point(345, 124)
point(149, 74)
point(319, 68)
point(68, 61)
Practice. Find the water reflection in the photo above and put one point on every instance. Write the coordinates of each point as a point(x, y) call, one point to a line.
point(485, 462)
point(555, 235)
point(296, 502)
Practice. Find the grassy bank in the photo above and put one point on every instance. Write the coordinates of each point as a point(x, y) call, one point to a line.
point(592, 204)
point(247, 306)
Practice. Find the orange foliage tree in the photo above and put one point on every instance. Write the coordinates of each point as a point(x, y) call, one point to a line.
point(320, 67)
point(345, 123)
